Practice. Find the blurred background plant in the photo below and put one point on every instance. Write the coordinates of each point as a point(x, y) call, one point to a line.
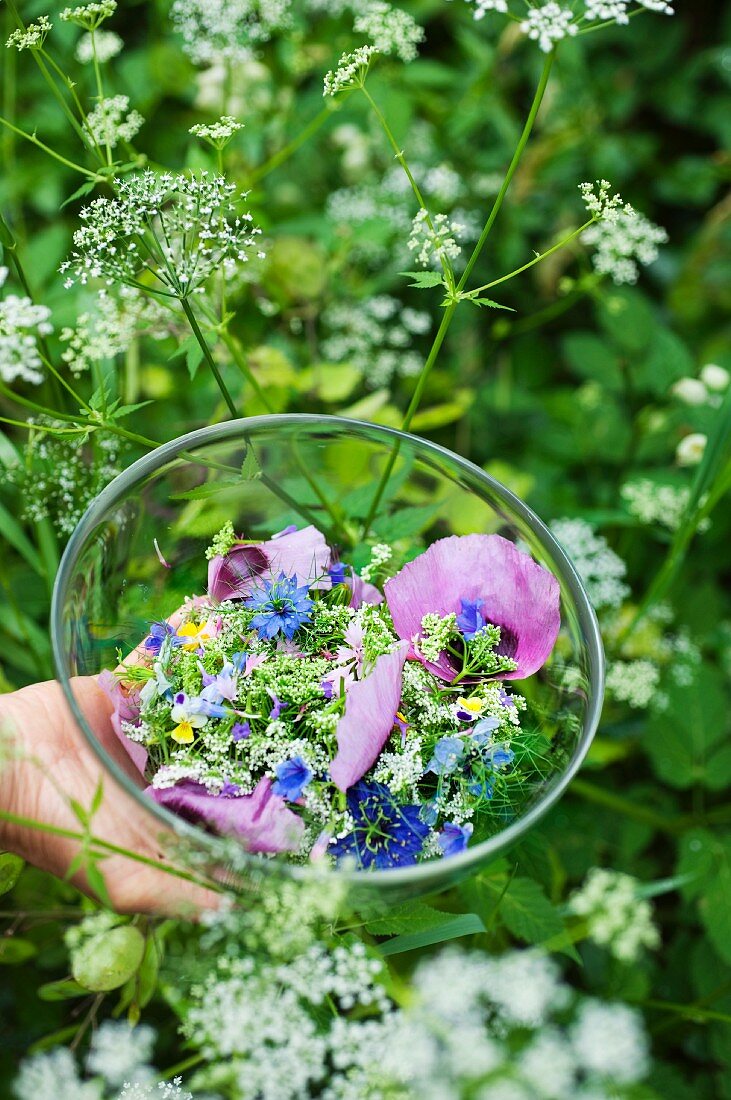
point(597, 388)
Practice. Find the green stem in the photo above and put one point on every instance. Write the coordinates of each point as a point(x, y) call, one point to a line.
point(399, 154)
point(288, 150)
point(99, 87)
point(527, 129)
point(187, 309)
point(51, 153)
point(536, 259)
point(240, 360)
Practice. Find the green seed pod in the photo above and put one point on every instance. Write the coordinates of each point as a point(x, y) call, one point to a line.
point(107, 961)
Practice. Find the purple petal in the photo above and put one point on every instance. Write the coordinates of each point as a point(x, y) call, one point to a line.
point(303, 554)
point(261, 819)
point(126, 709)
point(517, 594)
point(370, 712)
point(363, 592)
point(231, 577)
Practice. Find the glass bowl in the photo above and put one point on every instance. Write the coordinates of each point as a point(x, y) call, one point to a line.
point(264, 473)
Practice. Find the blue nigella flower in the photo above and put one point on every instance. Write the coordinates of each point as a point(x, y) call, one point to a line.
point(240, 731)
point(505, 698)
point(448, 753)
point(385, 833)
point(292, 778)
point(482, 731)
point(282, 607)
point(470, 620)
point(453, 838)
point(238, 660)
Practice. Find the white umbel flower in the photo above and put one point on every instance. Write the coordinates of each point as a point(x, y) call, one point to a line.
point(389, 30)
point(104, 44)
point(111, 121)
point(32, 37)
point(548, 24)
point(351, 71)
point(608, 9)
point(432, 243)
point(616, 916)
point(623, 243)
point(21, 323)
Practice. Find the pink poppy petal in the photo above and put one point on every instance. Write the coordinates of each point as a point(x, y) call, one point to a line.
point(126, 709)
point(363, 592)
point(232, 576)
point(261, 819)
point(303, 554)
point(517, 594)
point(370, 713)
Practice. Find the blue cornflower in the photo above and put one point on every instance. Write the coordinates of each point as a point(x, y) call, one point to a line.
point(385, 833)
point(470, 620)
point(448, 753)
point(282, 607)
point(292, 778)
point(453, 838)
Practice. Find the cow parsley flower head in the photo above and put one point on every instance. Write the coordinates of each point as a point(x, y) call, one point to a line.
point(229, 29)
point(436, 241)
point(608, 9)
point(120, 1053)
point(164, 1090)
point(482, 7)
point(109, 327)
point(664, 7)
point(633, 682)
point(32, 36)
point(375, 335)
point(548, 24)
point(111, 121)
point(617, 917)
point(89, 16)
point(178, 228)
point(609, 1041)
point(351, 71)
point(218, 134)
point(601, 203)
point(21, 324)
point(601, 570)
point(389, 30)
point(623, 243)
point(103, 44)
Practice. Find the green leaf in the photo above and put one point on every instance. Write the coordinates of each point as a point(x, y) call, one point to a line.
point(63, 990)
point(527, 913)
point(405, 523)
point(56, 1038)
point(412, 916)
point(79, 193)
point(590, 357)
point(250, 468)
point(13, 533)
point(424, 279)
point(209, 489)
point(678, 740)
point(467, 924)
point(14, 950)
point(489, 304)
point(10, 869)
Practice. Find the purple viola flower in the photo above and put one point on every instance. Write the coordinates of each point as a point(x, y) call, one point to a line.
point(385, 833)
point(282, 607)
point(261, 820)
point(515, 593)
point(292, 778)
point(126, 708)
point(470, 620)
point(240, 731)
point(453, 838)
point(370, 712)
point(304, 553)
point(448, 754)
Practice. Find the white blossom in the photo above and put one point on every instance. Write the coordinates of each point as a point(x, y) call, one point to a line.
point(375, 336)
point(617, 917)
point(32, 36)
point(664, 504)
point(601, 203)
point(231, 29)
point(715, 378)
point(53, 1074)
point(164, 1090)
point(218, 134)
point(21, 324)
point(548, 24)
point(120, 1053)
point(633, 682)
point(431, 243)
point(665, 7)
point(691, 448)
point(105, 44)
point(624, 243)
point(111, 121)
point(389, 30)
point(89, 16)
point(608, 1039)
point(351, 70)
point(608, 9)
point(600, 569)
point(692, 391)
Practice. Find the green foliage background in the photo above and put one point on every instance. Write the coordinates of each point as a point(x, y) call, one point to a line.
point(565, 400)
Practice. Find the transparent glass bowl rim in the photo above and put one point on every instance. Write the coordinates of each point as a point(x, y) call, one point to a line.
point(419, 874)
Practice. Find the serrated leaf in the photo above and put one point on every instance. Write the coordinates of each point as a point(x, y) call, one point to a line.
point(678, 740)
point(489, 304)
point(405, 523)
point(424, 279)
point(412, 916)
point(209, 489)
point(250, 468)
point(10, 869)
point(79, 193)
point(467, 924)
point(527, 913)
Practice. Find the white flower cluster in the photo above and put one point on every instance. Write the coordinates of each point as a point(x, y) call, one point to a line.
point(433, 243)
point(104, 45)
point(389, 30)
point(714, 380)
point(616, 10)
point(601, 203)
point(623, 243)
point(652, 503)
point(21, 323)
point(351, 71)
point(120, 1053)
point(633, 682)
point(375, 336)
point(381, 555)
point(230, 29)
point(617, 917)
point(164, 1090)
point(547, 25)
point(691, 449)
point(111, 121)
point(89, 16)
point(482, 7)
point(218, 134)
point(111, 326)
point(179, 228)
point(32, 36)
point(600, 569)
